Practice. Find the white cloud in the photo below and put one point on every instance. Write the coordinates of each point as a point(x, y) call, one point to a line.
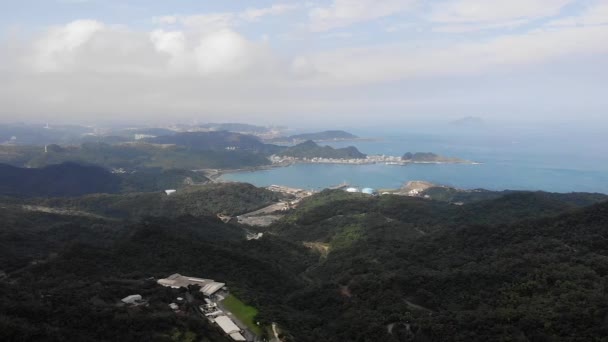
point(209, 22)
point(166, 20)
point(224, 51)
point(173, 44)
point(594, 14)
point(254, 14)
point(73, 1)
point(344, 13)
point(397, 62)
point(209, 67)
point(55, 49)
point(470, 15)
point(91, 46)
point(216, 21)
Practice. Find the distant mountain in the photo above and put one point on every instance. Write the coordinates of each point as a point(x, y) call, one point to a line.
point(310, 149)
point(236, 127)
point(134, 132)
point(30, 134)
point(67, 179)
point(317, 137)
point(325, 135)
point(469, 121)
point(465, 196)
point(220, 140)
point(134, 156)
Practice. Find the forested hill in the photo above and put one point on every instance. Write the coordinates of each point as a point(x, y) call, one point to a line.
point(67, 179)
point(323, 136)
point(334, 135)
point(72, 179)
point(206, 200)
point(527, 266)
point(340, 267)
point(310, 149)
point(236, 127)
point(133, 156)
point(81, 271)
point(217, 140)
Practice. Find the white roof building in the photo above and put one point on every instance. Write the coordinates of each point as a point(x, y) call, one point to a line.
point(214, 313)
point(170, 192)
point(212, 288)
point(131, 299)
point(208, 286)
point(237, 337)
point(227, 325)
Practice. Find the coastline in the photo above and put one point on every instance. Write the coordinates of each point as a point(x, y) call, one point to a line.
point(215, 175)
point(293, 143)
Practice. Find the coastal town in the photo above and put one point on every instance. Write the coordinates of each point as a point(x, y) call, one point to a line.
point(370, 159)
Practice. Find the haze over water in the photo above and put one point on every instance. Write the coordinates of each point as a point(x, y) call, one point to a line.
point(516, 159)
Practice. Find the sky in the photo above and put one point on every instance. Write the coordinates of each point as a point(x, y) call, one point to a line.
point(297, 62)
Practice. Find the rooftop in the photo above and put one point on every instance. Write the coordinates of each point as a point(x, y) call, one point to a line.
point(227, 325)
point(208, 286)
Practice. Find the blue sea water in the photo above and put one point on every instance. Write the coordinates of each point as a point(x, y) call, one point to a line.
point(553, 161)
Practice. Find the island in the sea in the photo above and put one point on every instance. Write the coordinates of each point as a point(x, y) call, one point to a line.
point(324, 136)
point(311, 152)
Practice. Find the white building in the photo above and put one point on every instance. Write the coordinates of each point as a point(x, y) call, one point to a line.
point(231, 329)
point(208, 286)
point(226, 324)
point(132, 299)
point(170, 192)
point(237, 337)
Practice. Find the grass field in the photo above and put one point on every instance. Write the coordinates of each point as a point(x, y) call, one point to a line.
point(243, 312)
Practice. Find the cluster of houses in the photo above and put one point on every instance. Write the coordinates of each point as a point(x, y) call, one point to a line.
point(213, 291)
point(215, 315)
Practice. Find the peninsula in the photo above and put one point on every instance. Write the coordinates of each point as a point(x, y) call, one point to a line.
point(324, 136)
point(311, 152)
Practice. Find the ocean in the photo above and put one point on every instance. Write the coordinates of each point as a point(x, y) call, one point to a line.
point(514, 159)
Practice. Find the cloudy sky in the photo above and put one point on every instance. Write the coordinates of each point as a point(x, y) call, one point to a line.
point(295, 62)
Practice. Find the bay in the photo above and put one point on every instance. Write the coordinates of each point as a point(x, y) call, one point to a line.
point(515, 161)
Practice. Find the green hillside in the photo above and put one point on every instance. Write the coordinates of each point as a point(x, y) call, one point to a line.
point(523, 266)
point(67, 179)
point(209, 199)
point(310, 149)
point(132, 156)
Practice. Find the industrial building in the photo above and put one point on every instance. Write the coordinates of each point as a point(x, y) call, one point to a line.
point(132, 299)
point(231, 329)
point(208, 286)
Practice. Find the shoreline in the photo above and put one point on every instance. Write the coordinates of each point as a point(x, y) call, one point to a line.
point(291, 143)
point(214, 175)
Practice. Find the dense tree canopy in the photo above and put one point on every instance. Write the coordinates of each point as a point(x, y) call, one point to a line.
point(340, 267)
